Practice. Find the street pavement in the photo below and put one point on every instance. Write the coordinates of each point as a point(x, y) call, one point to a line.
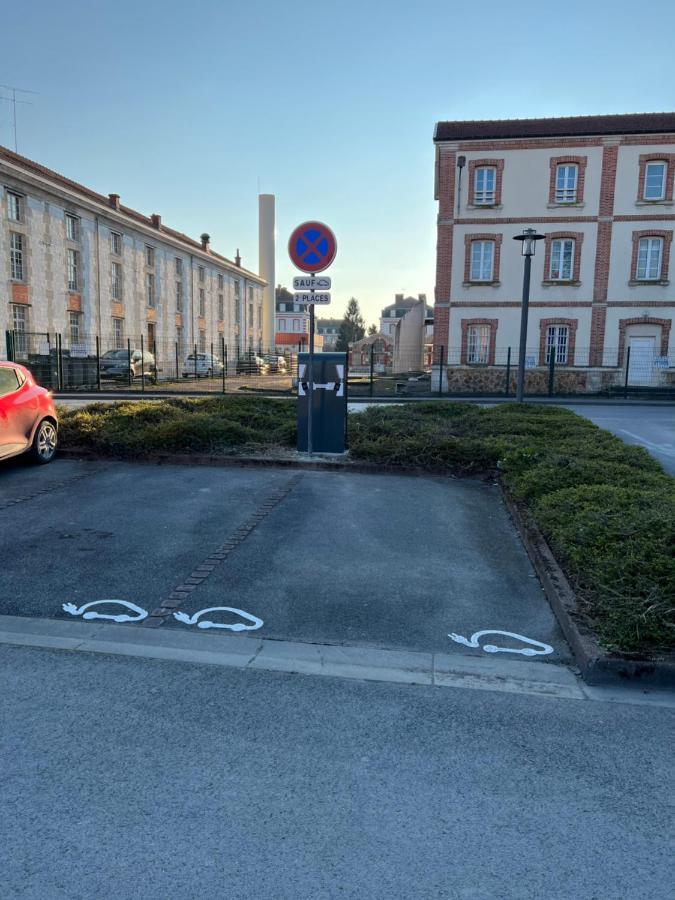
point(374, 560)
point(126, 778)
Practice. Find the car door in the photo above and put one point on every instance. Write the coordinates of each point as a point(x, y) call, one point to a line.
point(18, 411)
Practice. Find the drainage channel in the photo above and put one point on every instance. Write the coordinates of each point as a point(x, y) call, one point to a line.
point(182, 591)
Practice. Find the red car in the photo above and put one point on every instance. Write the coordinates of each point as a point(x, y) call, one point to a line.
point(28, 419)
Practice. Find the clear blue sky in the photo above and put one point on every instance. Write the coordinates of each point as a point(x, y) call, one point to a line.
point(185, 109)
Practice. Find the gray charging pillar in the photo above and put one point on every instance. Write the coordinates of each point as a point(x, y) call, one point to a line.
point(329, 407)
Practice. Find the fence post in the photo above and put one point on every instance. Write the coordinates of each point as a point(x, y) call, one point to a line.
point(177, 375)
point(372, 367)
point(59, 360)
point(154, 356)
point(551, 371)
point(440, 374)
point(98, 363)
point(223, 358)
point(211, 363)
point(129, 360)
point(625, 382)
point(508, 372)
point(142, 366)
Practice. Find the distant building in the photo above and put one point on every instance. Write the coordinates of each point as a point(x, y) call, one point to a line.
point(291, 325)
point(329, 329)
point(397, 309)
point(381, 346)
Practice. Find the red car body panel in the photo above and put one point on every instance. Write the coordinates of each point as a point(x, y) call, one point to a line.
point(21, 411)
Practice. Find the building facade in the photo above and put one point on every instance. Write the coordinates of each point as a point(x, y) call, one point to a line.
point(291, 325)
point(79, 264)
point(376, 347)
point(329, 329)
point(600, 190)
point(396, 310)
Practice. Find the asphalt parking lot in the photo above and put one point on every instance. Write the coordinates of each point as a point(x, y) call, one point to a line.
point(373, 560)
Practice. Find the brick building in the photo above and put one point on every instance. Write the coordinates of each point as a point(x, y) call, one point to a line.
point(600, 188)
point(80, 264)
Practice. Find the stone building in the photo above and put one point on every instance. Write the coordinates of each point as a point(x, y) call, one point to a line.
point(600, 189)
point(329, 329)
point(79, 264)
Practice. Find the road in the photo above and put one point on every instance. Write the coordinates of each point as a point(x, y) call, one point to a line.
point(126, 778)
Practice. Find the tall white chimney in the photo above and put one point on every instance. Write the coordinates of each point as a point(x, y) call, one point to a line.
point(266, 248)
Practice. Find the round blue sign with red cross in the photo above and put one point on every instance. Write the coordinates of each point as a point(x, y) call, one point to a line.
point(312, 247)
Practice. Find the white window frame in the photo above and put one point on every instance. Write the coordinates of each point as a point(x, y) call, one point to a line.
point(74, 326)
point(20, 328)
point(478, 344)
point(150, 288)
point(15, 206)
point(564, 264)
point(72, 227)
point(649, 259)
point(664, 175)
point(16, 259)
point(282, 325)
point(566, 182)
point(116, 243)
point(485, 194)
point(557, 336)
point(73, 269)
point(115, 281)
point(118, 334)
point(478, 263)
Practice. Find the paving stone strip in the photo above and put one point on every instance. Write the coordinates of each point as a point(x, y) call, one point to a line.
point(55, 486)
point(182, 591)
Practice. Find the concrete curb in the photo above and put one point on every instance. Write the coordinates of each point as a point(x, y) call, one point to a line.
point(597, 666)
point(294, 657)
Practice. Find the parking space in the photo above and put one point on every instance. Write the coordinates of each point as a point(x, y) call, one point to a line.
point(376, 560)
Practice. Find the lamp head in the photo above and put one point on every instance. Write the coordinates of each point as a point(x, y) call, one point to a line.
point(528, 240)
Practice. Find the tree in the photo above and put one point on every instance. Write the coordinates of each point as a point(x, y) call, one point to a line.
point(352, 327)
point(372, 329)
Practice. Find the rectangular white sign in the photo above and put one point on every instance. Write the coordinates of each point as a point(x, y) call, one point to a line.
point(309, 282)
point(317, 298)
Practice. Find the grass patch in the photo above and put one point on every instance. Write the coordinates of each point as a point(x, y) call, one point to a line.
point(213, 425)
point(607, 509)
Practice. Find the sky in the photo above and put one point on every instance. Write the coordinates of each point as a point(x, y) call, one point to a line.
point(190, 109)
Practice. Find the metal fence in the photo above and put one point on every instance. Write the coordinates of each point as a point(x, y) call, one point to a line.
point(88, 363)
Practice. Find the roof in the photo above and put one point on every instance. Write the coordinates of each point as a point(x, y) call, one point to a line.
point(29, 165)
point(570, 126)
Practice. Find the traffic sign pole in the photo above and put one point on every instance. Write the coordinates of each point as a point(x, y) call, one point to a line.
point(310, 370)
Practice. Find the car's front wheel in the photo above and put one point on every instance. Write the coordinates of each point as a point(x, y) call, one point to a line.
point(44, 443)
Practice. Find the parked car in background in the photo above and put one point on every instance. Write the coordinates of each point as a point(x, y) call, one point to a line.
point(203, 365)
point(251, 364)
point(28, 421)
point(120, 364)
point(276, 365)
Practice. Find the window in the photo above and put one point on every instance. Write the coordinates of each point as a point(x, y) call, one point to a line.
point(179, 296)
point(16, 249)
point(221, 307)
point(73, 266)
point(484, 186)
point(74, 326)
point(14, 207)
point(566, 177)
point(9, 381)
point(115, 281)
point(72, 228)
point(202, 303)
point(150, 257)
point(250, 314)
point(202, 274)
point(118, 334)
point(478, 344)
point(282, 325)
point(151, 337)
point(237, 313)
point(482, 258)
point(202, 342)
point(650, 253)
point(655, 180)
point(221, 282)
point(557, 342)
point(150, 288)
point(250, 295)
point(237, 289)
point(562, 260)
point(179, 339)
point(296, 324)
point(115, 243)
point(260, 317)
point(179, 265)
point(20, 326)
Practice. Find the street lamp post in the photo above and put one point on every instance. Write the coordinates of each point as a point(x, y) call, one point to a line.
point(528, 240)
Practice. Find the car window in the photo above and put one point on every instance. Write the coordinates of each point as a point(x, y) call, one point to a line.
point(8, 381)
point(135, 356)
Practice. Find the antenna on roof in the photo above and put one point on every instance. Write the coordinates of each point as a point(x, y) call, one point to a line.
point(14, 101)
